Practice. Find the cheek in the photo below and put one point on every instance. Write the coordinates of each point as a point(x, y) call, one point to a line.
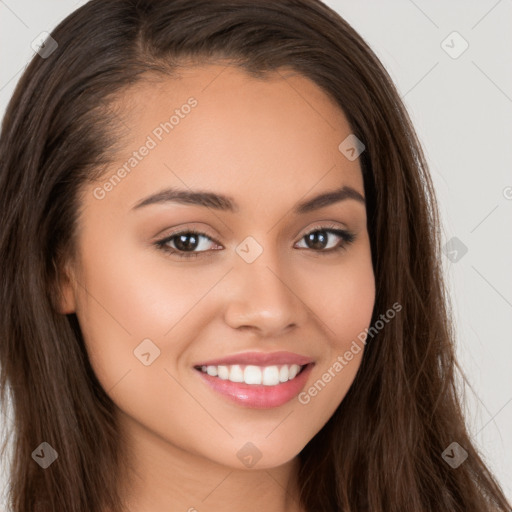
point(342, 297)
point(124, 302)
point(344, 300)
point(350, 309)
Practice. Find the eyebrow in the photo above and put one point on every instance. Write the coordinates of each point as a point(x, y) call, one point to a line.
point(226, 203)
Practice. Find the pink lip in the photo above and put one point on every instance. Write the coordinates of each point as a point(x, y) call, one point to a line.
point(258, 396)
point(259, 359)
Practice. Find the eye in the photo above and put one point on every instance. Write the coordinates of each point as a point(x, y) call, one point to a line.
point(317, 239)
point(184, 242)
point(191, 243)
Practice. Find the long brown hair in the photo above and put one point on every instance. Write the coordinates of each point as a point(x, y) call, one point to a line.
point(381, 450)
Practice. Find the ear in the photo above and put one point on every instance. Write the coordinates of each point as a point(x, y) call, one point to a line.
point(65, 290)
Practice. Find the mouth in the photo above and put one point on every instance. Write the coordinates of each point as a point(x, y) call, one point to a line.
point(255, 386)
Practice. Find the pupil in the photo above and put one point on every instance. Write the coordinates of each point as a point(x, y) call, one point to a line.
point(182, 245)
point(318, 240)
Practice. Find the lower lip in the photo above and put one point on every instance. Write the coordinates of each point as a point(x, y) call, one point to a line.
point(258, 396)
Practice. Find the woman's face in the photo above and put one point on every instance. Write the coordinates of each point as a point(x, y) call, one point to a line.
point(263, 276)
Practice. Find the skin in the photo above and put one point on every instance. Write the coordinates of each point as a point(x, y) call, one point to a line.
point(268, 144)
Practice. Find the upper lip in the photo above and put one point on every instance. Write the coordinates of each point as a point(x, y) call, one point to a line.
point(259, 359)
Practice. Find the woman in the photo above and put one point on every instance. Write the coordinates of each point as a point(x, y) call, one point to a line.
point(220, 276)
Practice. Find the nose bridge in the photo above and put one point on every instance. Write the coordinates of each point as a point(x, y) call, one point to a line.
point(263, 297)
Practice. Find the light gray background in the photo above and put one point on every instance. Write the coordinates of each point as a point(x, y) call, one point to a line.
point(461, 109)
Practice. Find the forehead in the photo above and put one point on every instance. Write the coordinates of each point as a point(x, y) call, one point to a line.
point(215, 127)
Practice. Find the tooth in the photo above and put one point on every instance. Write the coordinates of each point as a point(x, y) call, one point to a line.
point(252, 375)
point(223, 372)
point(270, 375)
point(294, 369)
point(236, 374)
point(267, 375)
point(211, 370)
point(283, 374)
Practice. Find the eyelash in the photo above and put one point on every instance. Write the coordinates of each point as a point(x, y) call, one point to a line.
point(347, 238)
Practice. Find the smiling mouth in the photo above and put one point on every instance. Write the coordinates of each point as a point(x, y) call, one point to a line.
point(271, 375)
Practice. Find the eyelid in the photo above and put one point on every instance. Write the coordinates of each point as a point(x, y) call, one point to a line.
point(169, 233)
point(323, 226)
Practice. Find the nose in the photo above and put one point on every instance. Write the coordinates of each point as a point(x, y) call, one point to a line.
point(263, 297)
